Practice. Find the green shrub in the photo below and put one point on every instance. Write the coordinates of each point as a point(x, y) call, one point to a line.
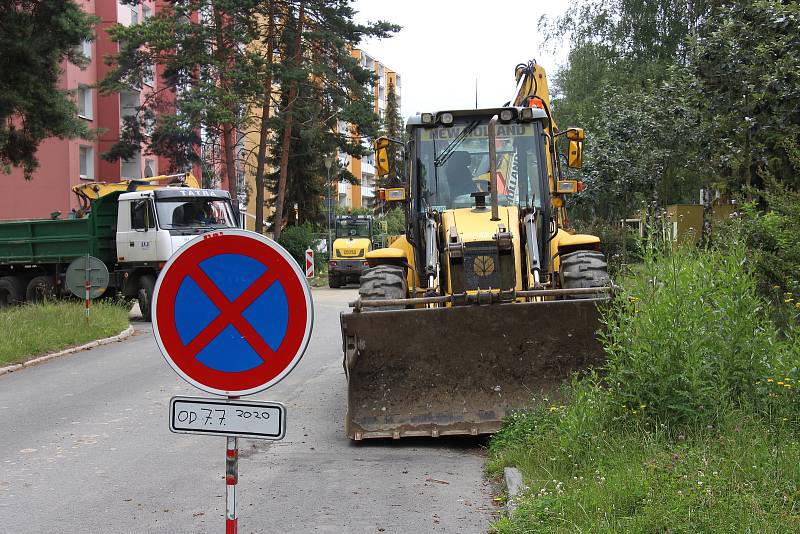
point(296, 239)
point(687, 336)
point(396, 221)
point(772, 237)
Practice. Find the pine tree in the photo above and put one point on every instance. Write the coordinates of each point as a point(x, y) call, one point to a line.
point(35, 38)
point(321, 86)
point(393, 128)
point(208, 79)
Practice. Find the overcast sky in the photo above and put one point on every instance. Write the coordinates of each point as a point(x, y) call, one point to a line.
point(445, 44)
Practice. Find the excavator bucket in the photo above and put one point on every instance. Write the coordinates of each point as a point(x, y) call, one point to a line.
point(460, 370)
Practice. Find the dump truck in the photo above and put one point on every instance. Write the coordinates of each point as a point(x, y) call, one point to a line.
point(352, 240)
point(490, 299)
point(133, 227)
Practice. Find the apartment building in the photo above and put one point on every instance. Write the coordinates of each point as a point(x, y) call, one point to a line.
point(345, 194)
point(363, 193)
point(64, 163)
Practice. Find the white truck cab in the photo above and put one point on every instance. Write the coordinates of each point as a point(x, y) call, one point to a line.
point(152, 225)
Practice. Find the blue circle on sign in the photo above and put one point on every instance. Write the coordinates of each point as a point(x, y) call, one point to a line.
point(195, 310)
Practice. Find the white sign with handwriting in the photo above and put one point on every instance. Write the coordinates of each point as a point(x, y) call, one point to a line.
point(227, 417)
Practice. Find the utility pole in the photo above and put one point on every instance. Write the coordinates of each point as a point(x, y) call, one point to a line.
point(328, 160)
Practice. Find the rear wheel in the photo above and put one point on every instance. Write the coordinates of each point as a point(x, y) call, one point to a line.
point(147, 284)
point(334, 281)
point(382, 283)
point(40, 289)
point(584, 269)
point(12, 291)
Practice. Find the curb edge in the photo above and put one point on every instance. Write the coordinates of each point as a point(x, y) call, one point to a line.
point(47, 357)
point(514, 486)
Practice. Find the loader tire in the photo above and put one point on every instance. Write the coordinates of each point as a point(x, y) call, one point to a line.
point(584, 268)
point(12, 291)
point(383, 282)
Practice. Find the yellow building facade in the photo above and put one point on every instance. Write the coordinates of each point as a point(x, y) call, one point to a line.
point(363, 193)
point(345, 194)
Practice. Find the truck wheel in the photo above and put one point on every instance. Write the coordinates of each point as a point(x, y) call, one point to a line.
point(383, 282)
point(584, 268)
point(334, 281)
point(147, 284)
point(40, 289)
point(12, 291)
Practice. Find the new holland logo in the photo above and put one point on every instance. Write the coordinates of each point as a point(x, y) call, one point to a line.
point(483, 265)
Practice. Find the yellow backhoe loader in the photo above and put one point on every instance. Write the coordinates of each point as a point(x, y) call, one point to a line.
point(489, 299)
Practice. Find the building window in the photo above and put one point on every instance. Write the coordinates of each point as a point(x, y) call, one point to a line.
point(85, 48)
point(85, 102)
point(86, 156)
point(149, 75)
point(146, 12)
point(134, 16)
point(149, 168)
point(141, 210)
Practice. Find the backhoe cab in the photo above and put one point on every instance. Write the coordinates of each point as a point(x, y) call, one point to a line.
point(488, 299)
point(353, 236)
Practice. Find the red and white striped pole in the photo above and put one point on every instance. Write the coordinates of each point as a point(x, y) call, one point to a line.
point(88, 286)
point(231, 478)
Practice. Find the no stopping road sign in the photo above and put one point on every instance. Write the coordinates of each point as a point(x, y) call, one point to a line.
point(232, 312)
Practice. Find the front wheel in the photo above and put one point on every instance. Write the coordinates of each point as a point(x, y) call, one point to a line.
point(383, 282)
point(12, 291)
point(584, 269)
point(144, 295)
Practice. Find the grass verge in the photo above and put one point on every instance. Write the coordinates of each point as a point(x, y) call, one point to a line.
point(692, 426)
point(739, 476)
point(33, 330)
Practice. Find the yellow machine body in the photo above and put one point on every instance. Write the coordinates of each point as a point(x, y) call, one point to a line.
point(486, 303)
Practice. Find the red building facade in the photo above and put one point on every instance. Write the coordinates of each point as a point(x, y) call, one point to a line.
point(64, 163)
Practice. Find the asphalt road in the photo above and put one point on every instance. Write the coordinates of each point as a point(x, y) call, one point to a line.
point(85, 447)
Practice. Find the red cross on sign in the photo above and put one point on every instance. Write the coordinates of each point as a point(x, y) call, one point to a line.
point(232, 312)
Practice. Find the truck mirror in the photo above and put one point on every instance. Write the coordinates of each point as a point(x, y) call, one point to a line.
point(575, 156)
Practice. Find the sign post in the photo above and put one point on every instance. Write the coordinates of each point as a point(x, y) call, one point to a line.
point(232, 315)
point(87, 278)
point(309, 263)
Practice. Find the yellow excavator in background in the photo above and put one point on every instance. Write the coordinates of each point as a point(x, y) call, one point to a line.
point(89, 191)
point(489, 299)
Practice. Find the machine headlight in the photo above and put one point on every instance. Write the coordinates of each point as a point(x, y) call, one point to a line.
point(526, 114)
point(506, 115)
point(427, 118)
point(446, 118)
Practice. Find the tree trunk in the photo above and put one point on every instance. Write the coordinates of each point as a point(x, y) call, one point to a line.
point(230, 164)
point(264, 132)
point(287, 131)
point(224, 57)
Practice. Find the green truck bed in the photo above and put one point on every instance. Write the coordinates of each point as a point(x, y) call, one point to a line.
point(48, 241)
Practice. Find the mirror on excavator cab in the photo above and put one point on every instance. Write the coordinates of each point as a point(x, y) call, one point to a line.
point(575, 151)
point(383, 167)
point(382, 156)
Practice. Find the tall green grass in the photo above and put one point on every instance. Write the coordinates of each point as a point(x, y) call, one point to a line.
point(36, 329)
point(691, 427)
